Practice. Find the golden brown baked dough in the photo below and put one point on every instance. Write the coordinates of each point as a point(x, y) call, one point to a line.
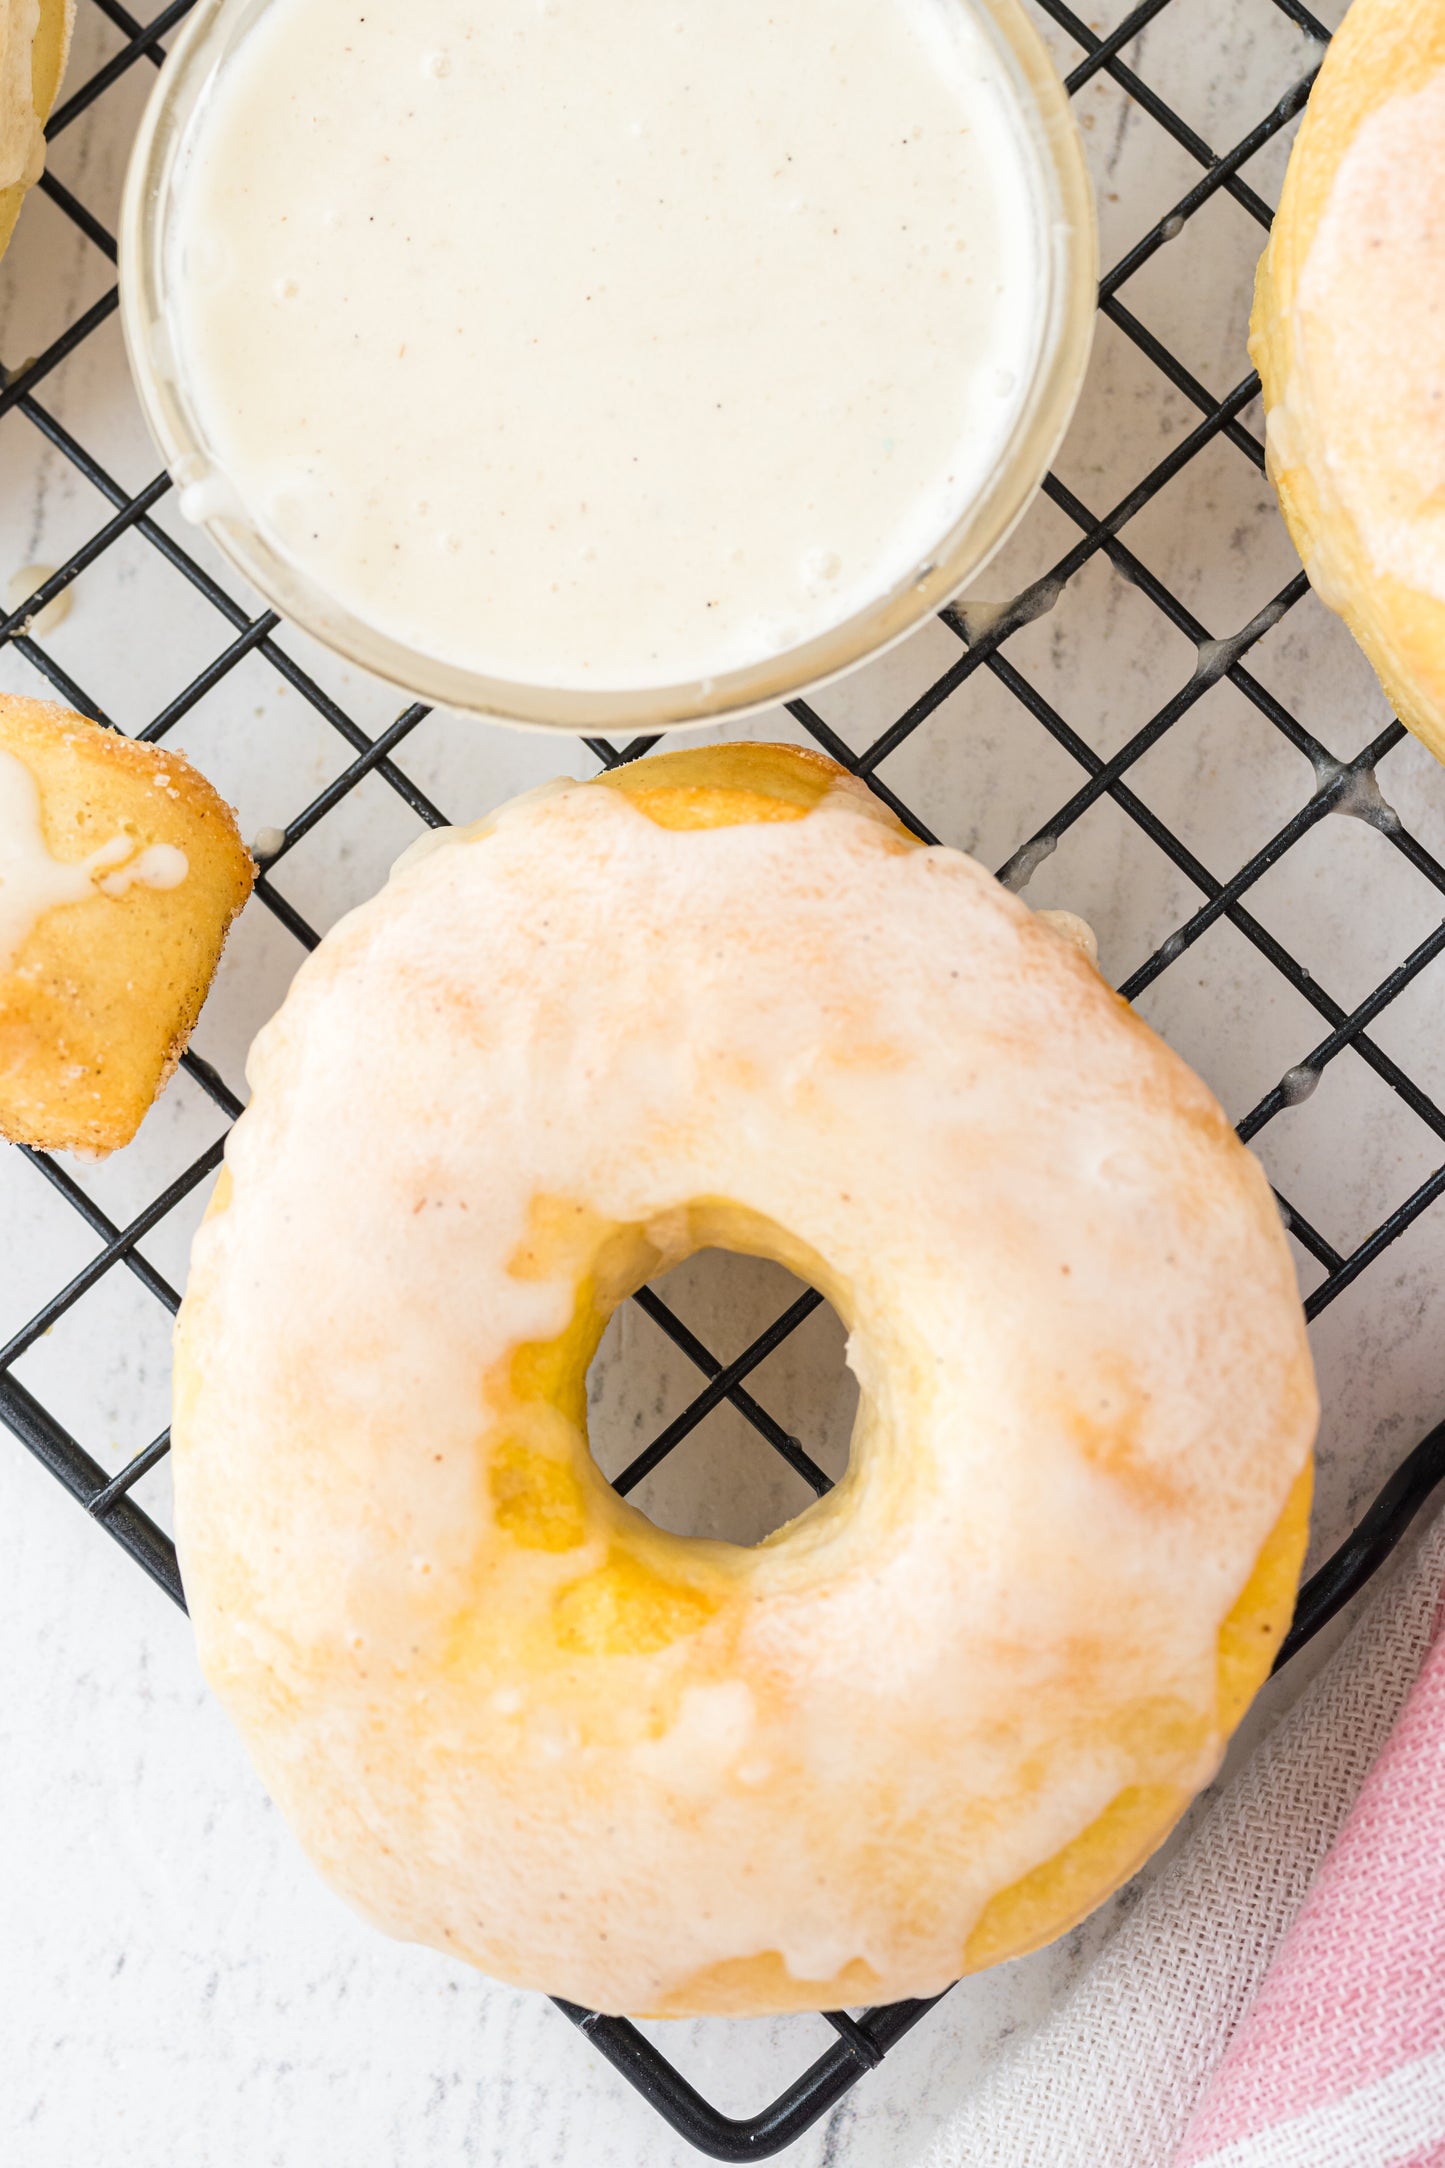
point(1348, 336)
point(120, 870)
point(34, 45)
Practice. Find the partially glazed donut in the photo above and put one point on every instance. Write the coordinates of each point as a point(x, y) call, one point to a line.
point(1348, 336)
point(34, 47)
point(721, 998)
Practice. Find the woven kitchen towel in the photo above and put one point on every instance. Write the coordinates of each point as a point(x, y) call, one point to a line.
point(1113, 2077)
point(1340, 2059)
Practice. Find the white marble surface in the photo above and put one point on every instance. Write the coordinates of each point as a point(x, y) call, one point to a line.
point(177, 1984)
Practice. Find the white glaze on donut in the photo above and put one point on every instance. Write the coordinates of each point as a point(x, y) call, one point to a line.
point(33, 881)
point(1370, 338)
point(1084, 1396)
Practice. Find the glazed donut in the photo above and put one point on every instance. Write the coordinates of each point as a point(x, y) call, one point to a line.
point(722, 998)
point(34, 47)
point(1348, 336)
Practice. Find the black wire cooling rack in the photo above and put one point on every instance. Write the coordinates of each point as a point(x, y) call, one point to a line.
point(863, 2039)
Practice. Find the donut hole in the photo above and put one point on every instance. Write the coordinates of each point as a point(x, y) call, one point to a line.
point(722, 1480)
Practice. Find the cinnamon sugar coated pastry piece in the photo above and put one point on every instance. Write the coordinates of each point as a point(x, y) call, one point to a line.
point(120, 871)
point(721, 998)
point(1348, 336)
point(34, 45)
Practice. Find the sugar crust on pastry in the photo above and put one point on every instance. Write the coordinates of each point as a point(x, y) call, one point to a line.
point(120, 870)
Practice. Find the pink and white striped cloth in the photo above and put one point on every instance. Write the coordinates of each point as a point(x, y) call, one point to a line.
point(1340, 2060)
point(1276, 1997)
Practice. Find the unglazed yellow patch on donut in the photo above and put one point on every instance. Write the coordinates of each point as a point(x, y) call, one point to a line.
point(625, 1609)
point(536, 1500)
point(553, 1373)
point(606, 1262)
point(1043, 1903)
point(563, 1230)
point(609, 1260)
point(764, 1982)
point(1260, 1620)
point(1049, 1900)
point(693, 805)
point(727, 786)
point(789, 781)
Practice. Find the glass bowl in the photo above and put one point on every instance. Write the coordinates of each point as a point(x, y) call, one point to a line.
point(1068, 256)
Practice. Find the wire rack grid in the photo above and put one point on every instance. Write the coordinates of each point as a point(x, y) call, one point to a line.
point(981, 642)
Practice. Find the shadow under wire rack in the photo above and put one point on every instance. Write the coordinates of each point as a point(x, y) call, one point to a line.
point(862, 2039)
